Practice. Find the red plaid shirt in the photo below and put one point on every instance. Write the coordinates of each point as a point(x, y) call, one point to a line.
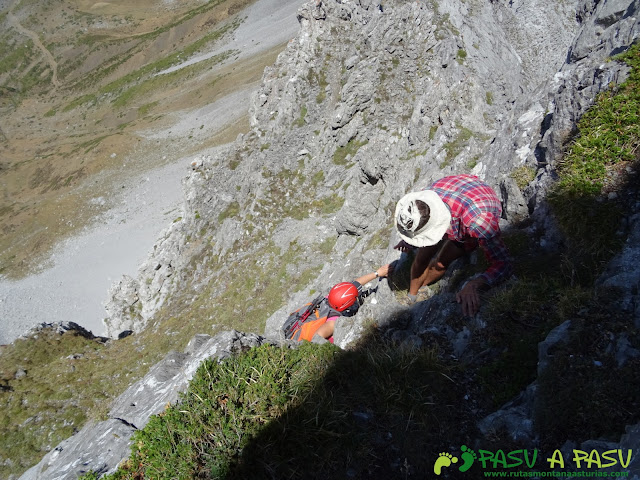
point(475, 213)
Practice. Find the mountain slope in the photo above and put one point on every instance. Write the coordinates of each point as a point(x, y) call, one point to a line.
point(78, 100)
point(81, 233)
point(339, 131)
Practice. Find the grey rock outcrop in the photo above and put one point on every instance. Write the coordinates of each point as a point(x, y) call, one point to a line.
point(97, 447)
point(621, 276)
point(101, 446)
point(607, 28)
point(514, 417)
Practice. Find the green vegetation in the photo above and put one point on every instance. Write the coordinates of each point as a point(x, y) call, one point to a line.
point(187, 16)
point(49, 388)
point(234, 163)
point(90, 144)
point(137, 84)
point(350, 149)
point(455, 147)
point(224, 409)
point(319, 79)
point(107, 68)
point(380, 239)
point(292, 194)
point(521, 317)
point(413, 154)
point(580, 380)
point(233, 299)
point(432, 132)
point(607, 136)
point(231, 211)
point(89, 98)
point(317, 179)
point(607, 141)
point(125, 94)
point(461, 55)
point(444, 27)
point(458, 144)
point(146, 108)
point(489, 98)
point(300, 120)
point(300, 411)
point(326, 247)
point(16, 57)
point(327, 205)
point(523, 176)
point(155, 83)
point(553, 289)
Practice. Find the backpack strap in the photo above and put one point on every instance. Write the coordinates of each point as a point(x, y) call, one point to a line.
point(300, 316)
point(308, 329)
point(325, 310)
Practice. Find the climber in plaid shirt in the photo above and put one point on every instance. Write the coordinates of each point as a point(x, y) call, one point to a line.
point(452, 217)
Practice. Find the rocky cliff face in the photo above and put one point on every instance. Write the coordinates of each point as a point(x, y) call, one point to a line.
point(369, 101)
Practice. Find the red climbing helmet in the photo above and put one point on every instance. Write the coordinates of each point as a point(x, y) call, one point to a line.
point(343, 295)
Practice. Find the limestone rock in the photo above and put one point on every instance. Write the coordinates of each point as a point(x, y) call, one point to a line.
point(98, 447)
point(621, 275)
point(101, 446)
point(515, 418)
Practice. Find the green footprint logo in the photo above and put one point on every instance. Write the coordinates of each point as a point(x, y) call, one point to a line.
point(444, 460)
point(468, 457)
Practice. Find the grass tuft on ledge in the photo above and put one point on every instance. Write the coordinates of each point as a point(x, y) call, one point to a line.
point(274, 412)
point(584, 200)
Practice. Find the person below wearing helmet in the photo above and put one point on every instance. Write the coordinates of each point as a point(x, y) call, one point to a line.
point(345, 298)
point(454, 216)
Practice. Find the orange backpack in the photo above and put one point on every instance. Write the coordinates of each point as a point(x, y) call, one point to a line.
point(305, 322)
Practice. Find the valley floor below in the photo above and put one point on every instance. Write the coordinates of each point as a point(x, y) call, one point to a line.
point(145, 197)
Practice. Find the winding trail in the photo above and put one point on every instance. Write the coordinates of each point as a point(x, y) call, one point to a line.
point(15, 23)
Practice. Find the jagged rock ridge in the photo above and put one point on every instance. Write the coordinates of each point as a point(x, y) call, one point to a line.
point(397, 102)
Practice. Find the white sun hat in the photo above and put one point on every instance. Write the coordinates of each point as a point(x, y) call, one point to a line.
point(408, 219)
